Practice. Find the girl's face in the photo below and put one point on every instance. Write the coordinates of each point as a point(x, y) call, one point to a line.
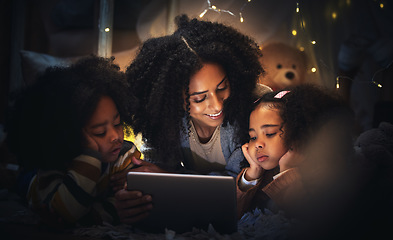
point(209, 88)
point(106, 129)
point(266, 145)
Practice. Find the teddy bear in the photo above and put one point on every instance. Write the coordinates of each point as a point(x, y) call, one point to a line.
point(284, 66)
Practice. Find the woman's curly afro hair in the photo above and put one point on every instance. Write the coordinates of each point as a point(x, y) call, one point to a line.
point(46, 124)
point(159, 77)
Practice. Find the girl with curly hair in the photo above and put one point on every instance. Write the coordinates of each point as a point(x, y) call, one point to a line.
point(75, 116)
point(193, 89)
point(297, 137)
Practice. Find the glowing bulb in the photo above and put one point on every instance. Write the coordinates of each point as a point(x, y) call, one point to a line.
point(337, 82)
point(107, 29)
point(313, 69)
point(241, 19)
point(377, 84)
point(381, 5)
point(297, 7)
point(337, 85)
point(214, 7)
point(203, 13)
point(294, 32)
point(301, 49)
point(313, 42)
point(334, 15)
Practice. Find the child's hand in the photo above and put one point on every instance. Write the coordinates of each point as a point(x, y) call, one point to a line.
point(290, 159)
point(132, 206)
point(255, 171)
point(118, 180)
point(143, 166)
point(90, 142)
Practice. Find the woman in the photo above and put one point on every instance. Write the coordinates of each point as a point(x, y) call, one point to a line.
point(193, 91)
point(194, 88)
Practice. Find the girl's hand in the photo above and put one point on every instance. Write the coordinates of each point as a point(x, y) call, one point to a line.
point(290, 159)
point(143, 166)
point(90, 142)
point(119, 179)
point(254, 171)
point(132, 206)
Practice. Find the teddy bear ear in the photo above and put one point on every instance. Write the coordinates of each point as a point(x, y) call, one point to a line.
point(261, 89)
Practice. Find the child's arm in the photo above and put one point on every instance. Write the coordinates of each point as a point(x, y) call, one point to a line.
point(254, 171)
point(248, 183)
point(245, 194)
point(287, 190)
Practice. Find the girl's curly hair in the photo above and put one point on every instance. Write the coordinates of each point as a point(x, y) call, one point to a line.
point(159, 78)
point(45, 127)
point(304, 110)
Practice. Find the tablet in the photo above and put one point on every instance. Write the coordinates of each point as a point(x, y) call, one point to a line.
point(182, 202)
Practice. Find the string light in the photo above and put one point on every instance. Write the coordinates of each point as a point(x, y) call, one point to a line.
point(377, 72)
point(372, 80)
point(314, 42)
point(294, 32)
point(214, 8)
point(219, 10)
point(241, 10)
point(338, 80)
point(377, 84)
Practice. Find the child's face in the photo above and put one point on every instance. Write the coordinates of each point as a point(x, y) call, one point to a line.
point(106, 129)
point(266, 145)
point(208, 89)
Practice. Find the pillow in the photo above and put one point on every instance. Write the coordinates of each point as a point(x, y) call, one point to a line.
point(34, 63)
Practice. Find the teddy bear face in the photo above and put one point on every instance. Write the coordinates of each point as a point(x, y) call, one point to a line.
point(284, 66)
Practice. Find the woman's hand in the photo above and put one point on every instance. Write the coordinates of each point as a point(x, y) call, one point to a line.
point(290, 159)
point(132, 206)
point(254, 171)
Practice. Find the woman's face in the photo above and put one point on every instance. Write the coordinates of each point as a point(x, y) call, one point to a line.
point(266, 145)
point(208, 89)
point(106, 129)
